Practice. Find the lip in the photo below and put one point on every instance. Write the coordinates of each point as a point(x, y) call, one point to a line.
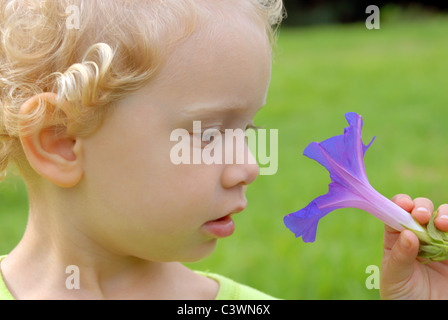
point(224, 226)
point(239, 208)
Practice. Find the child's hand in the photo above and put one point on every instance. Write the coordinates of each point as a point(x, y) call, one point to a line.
point(402, 276)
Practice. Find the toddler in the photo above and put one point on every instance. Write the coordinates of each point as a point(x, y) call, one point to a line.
point(91, 91)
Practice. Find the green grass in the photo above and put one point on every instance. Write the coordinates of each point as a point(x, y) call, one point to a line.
point(395, 78)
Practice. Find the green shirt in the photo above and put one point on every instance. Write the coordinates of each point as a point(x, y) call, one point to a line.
point(228, 289)
point(4, 292)
point(231, 290)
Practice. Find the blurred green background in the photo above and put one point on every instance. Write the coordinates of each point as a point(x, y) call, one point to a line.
point(396, 78)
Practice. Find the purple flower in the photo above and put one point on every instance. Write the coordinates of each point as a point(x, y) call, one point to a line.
point(343, 157)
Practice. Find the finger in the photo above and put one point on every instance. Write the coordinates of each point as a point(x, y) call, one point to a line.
point(404, 201)
point(390, 237)
point(399, 265)
point(441, 221)
point(423, 209)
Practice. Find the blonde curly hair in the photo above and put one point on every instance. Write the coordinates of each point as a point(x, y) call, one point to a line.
point(117, 48)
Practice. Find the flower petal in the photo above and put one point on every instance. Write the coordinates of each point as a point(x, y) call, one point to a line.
point(304, 222)
point(343, 153)
point(343, 157)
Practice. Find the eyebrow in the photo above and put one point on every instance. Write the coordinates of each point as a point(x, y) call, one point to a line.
point(205, 109)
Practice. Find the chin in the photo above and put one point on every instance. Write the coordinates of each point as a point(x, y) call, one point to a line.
point(185, 254)
point(198, 253)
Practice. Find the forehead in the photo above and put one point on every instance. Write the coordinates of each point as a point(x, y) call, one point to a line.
point(225, 58)
point(224, 34)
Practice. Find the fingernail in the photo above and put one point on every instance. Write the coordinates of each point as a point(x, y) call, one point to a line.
point(422, 209)
point(423, 213)
point(442, 217)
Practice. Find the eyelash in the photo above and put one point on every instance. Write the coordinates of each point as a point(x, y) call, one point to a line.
point(249, 126)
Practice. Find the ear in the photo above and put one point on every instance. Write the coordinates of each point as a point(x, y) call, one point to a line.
point(52, 153)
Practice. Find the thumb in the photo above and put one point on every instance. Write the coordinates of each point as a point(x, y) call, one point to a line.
point(399, 262)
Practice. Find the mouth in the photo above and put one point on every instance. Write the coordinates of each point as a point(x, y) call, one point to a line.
point(220, 228)
point(225, 226)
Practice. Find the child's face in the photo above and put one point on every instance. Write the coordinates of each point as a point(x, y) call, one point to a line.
point(137, 201)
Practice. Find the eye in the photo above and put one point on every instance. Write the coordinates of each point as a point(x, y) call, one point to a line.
point(210, 135)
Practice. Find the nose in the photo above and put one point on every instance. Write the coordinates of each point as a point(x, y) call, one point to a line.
point(240, 174)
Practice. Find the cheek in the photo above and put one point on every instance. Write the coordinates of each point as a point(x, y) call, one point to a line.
point(185, 192)
point(140, 180)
